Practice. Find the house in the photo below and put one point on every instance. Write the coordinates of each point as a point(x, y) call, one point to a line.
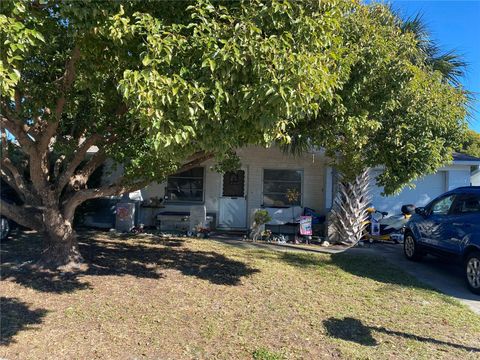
point(263, 181)
point(281, 183)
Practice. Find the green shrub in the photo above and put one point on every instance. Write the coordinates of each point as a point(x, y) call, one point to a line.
point(262, 217)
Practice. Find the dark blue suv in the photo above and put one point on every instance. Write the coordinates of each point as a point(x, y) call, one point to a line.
point(449, 226)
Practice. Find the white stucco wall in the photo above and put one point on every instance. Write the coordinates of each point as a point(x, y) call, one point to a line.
point(312, 165)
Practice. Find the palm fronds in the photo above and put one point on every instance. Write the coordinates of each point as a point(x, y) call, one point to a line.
point(450, 64)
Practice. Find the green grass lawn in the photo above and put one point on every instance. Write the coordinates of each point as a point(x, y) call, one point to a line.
point(147, 297)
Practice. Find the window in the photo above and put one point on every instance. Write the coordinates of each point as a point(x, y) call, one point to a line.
point(282, 187)
point(468, 203)
point(442, 206)
point(234, 183)
point(186, 186)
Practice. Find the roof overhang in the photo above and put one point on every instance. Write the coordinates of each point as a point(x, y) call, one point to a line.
point(465, 162)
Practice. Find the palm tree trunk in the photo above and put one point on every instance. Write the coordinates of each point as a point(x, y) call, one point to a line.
point(349, 211)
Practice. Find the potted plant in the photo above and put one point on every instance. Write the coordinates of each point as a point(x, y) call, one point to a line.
point(260, 218)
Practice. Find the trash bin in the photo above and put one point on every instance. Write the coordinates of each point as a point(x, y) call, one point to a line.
point(125, 216)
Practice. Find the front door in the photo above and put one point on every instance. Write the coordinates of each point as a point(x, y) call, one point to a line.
point(233, 202)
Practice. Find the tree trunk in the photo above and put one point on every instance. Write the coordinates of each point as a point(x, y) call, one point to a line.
point(349, 211)
point(60, 246)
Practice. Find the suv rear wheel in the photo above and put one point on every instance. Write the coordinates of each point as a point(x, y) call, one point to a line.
point(472, 271)
point(410, 248)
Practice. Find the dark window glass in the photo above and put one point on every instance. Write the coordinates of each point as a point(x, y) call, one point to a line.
point(468, 203)
point(234, 183)
point(186, 186)
point(282, 187)
point(282, 175)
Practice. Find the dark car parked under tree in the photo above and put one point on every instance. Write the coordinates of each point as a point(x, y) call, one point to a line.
point(9, 195)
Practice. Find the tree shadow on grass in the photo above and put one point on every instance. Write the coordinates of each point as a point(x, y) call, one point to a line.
point(370, 266)
point(119, 257)
point(351, 329)
point(304, 260)
point(366, 265)
point(15, 316)
point(376, 268)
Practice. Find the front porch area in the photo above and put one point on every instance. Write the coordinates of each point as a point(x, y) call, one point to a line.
point(284, 185)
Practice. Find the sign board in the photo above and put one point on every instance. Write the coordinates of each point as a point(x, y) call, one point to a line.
point(306, 225)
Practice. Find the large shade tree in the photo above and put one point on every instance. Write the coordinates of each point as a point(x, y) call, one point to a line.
point(161, 86)
point(471, 143)
point(396, 107)
point(406, 127)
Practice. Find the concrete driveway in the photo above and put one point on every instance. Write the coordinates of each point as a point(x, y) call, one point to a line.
point(440, 274)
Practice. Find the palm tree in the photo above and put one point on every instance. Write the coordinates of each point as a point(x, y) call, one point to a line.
point(450, 64)
point(352, 198)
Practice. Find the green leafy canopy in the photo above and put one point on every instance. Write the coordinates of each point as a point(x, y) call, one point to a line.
point(160, 81)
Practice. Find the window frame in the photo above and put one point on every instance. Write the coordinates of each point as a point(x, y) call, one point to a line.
point(202, 201)
point(302, 188)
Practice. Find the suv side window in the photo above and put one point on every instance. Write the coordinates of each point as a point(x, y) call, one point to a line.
point(442, 206)
point(466, 204)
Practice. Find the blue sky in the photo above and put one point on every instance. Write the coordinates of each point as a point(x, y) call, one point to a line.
point(455, 25)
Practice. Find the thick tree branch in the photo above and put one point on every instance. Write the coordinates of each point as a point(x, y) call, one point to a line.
point(20, 184)
point(77, 159)
point(21, 215)
point(65, 83)
point(8, 122)
point(88, 194)
point(3, 138)
point(119, 188)
point(18, 101)
point(39, 163)
point(58, 165)
point(94, 163)
point(39, 172)
point(69, 74)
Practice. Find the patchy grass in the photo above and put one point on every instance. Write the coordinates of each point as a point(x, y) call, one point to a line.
point(146, 297)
